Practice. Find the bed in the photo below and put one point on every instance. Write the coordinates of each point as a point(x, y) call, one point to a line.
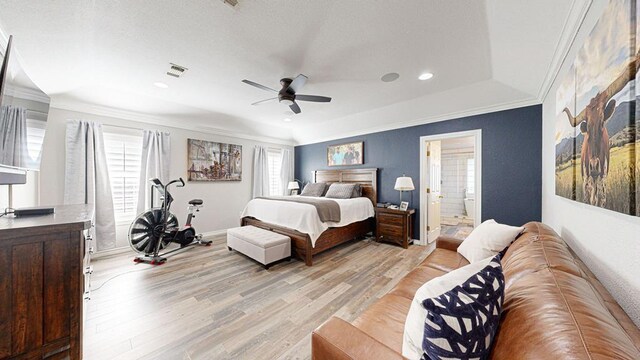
point(302, 245)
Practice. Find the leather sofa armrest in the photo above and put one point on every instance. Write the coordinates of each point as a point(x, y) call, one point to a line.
point(448, 242)
point(337, 339)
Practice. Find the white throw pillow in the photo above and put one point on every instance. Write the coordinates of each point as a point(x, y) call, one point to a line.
point(487, 240)
point(468, 284)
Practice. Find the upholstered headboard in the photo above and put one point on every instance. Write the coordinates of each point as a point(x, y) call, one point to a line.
point(366, 178)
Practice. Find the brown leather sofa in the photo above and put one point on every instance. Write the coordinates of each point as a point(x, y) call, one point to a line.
point(554, 308)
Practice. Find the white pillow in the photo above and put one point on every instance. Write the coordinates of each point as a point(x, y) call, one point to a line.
point(414, 326)
point(487, 240)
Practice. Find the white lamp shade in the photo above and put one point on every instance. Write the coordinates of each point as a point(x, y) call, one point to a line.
point(404, 183)
point(293, 185)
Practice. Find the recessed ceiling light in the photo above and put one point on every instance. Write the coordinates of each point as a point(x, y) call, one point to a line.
point(425, 76)
point(286, 120)
point(390, 77)
point(161, 85)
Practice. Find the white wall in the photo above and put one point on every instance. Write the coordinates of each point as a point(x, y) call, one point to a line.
point(608, 242)
point(223, 201)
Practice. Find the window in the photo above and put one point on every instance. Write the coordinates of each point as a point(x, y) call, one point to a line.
point(35, 138)
point(124, 154)
point(274, 159)
point(471, 178)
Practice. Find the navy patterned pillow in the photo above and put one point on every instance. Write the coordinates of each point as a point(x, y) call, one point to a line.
point(462, 322)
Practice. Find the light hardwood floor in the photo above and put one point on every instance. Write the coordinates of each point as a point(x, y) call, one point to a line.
point(209, 303)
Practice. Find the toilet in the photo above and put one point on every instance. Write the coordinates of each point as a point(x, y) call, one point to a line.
point(470, 207)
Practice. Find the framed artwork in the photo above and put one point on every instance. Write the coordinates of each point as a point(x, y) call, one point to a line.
point(213, 161)
point(345, 154)
point(596, 144)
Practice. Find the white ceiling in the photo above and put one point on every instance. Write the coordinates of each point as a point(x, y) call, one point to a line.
point(484, 54)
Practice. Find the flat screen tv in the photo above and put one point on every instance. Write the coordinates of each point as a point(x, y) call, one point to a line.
point(24, 109)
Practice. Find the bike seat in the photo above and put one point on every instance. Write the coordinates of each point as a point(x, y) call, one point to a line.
point(195, 202)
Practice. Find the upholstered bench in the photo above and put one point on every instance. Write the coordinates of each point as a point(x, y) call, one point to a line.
point(263, 246)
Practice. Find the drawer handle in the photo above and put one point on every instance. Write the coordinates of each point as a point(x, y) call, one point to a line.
point(88, 270)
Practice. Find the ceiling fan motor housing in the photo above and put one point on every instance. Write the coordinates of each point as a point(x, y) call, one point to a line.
point(286, 95)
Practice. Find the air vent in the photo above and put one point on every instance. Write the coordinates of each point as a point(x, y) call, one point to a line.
point(232, 3)
point(176, 70)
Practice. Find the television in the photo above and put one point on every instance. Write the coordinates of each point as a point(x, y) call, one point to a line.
point(24, 109)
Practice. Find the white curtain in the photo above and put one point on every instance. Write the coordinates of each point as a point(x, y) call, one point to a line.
point(87, 178)
point(155, 163)
point(260, 172)
point(13, 136)
point(286, 170)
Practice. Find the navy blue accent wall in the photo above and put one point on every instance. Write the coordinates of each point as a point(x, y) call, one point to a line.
point(511, 161)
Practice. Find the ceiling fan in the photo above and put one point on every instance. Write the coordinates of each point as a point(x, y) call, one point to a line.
point(287, 95)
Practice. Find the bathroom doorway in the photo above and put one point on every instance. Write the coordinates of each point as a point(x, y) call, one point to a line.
point(450, 183)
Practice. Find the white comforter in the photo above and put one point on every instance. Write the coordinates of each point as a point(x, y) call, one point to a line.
point(304, 217)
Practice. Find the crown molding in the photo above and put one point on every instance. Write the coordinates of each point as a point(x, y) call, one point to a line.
point(22, 92)
point(164, 121)
point(575, 20)
point(427, 120)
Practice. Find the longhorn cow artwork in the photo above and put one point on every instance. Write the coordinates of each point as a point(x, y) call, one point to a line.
point(596, 135)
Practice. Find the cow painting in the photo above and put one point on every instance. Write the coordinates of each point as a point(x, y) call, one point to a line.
point(595, 147)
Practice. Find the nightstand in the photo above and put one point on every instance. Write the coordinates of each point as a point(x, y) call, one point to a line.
point(394, 226)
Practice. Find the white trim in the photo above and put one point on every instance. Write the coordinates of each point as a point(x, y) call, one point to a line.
point(477, 134)
point(570, 30)
point(438, 118)
point(99, 110)
point(214, 233)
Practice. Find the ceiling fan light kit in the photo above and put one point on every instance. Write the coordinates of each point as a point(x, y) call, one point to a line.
point(288, 93)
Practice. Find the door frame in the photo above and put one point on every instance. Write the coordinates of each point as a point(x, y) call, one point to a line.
point(477, 135)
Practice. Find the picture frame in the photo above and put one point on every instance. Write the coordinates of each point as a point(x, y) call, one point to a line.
point(213, 161)
point(346, 154)
point(404, 205)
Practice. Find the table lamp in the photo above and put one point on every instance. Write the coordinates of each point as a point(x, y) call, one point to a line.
point(404, 183)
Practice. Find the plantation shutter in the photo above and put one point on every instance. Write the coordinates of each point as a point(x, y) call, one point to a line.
point(123, 159)
point(274, 159)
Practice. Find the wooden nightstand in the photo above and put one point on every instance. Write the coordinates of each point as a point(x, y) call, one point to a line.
point(394, 226)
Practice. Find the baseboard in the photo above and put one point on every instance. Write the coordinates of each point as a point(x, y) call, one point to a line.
point(214, 233)
point(112, 252)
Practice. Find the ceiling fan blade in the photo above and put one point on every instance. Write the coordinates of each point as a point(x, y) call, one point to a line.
point(249, 82)
point(314, 98)
point(297, 84)
point(264, 101)
point(295, 108)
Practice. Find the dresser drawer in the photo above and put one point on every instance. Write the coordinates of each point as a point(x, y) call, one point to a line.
point(390, 231)
point(391, 219)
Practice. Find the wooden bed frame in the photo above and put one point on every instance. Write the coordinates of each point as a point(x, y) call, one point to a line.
point(301, 243)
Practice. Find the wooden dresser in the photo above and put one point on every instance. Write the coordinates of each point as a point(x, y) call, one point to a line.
point(394, 226)
point(42, 264)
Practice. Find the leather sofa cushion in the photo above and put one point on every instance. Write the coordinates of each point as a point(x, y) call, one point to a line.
point(408, 286)
point(384, 320)
point(552, 308)
point(444, 260)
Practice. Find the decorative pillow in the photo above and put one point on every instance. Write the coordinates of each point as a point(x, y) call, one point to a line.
point(357, 191)
point(340, 191)
point(313, 189)
point(487, 240)
point(456, 315)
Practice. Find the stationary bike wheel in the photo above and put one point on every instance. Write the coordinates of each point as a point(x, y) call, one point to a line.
point(145, 231)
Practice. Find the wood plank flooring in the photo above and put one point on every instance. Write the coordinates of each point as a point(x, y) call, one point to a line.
point(209, 303)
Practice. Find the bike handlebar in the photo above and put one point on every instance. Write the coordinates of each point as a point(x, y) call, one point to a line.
point(176, 181)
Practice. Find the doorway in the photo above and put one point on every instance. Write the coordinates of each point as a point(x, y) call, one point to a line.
point(450, 184)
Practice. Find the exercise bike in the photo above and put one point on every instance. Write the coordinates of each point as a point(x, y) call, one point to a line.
point(153, 230)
